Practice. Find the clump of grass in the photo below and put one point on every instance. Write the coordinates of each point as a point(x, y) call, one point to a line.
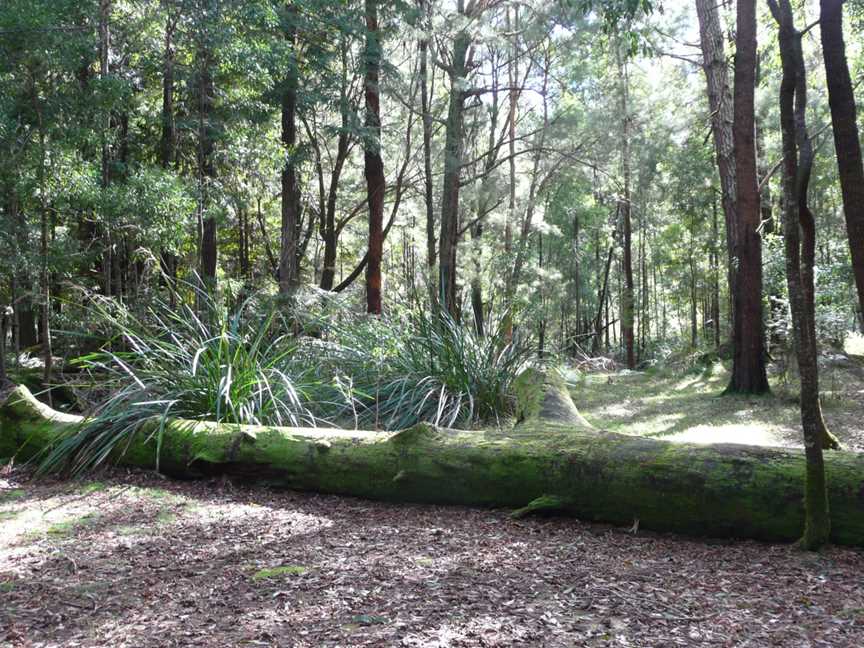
point(206, 362)
point(422, 367)
point(192, 362)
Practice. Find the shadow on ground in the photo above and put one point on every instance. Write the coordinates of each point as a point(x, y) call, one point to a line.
point(138, 561)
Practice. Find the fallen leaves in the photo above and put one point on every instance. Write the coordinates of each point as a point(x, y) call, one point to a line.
point(149, 563)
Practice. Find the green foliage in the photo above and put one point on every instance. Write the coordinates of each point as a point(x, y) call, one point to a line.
point(203, 363)
point(244, 365)
point(426, 367)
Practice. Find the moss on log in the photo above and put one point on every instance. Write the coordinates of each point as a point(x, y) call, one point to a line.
point(720, 490)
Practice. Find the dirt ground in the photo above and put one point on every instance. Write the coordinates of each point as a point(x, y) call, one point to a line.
point(135, 560)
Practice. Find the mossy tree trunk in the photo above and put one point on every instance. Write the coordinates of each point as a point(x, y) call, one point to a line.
point(717, 490)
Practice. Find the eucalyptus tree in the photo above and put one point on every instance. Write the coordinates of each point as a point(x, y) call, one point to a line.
point(748, 369)
point(720, 106)
point(373, 164)
point(847, 143)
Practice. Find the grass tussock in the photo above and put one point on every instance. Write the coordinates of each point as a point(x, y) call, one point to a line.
point(200, 360)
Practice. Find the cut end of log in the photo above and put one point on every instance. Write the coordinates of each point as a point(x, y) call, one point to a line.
point(543, 396)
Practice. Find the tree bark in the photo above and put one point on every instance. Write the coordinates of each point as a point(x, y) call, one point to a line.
point(449, 233)
point(290, 229)
point(847, 144)
point(373, 165)
point(4, 330)
point(800, 243)
point(168, 140)
point(721, 490)
point(627, 303)
point(330, 231)
point(602, 295)
point(721, 106)
point(425, 107)
point(206, 165)
point(748, 362)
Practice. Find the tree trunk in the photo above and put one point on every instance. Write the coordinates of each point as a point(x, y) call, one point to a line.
point(206, 166)
point(722, 490)
point(329, 231)
point(748, 363)
point(4, 330)
point(476, 285)
point(168, 139)
point(290, 230)
point(800, 242)
point(428, 197)
point(722, 119)
point(627, 302)
point(373, 166)
point(44, 274)
point(846, 141)
point(449, 233)
point(715, 277)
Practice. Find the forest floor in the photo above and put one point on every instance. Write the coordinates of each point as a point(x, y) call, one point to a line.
point(690, 405)
point(135, 560)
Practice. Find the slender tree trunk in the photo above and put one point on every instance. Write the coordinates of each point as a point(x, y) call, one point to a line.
point(206, 165)
point(627, 303)
point(24, 319)
point(476, 285)
point(167, 144)
point(846, 139)
point(105, 177)
point(513, 78)
point(290, 229)
point(800, 240)
point(602, 300)
point(449, 233)
point(537, 184)
point(425, 107)
point(748, 368)
point(373, 166)
point(44, 274)
point(721, 106)
point(715, 277)
point(4, 331)
point(330, 232)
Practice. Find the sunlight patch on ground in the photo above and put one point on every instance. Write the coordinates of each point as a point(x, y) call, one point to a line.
point(756, 433)
point(219, 513)
point(619, 410)
point(855, 344)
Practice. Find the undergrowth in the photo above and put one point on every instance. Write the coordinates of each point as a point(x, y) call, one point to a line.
point(253, 364)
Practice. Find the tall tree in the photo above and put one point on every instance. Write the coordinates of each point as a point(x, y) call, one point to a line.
point(448, 239)
point(373, 165)
point(720, 105)
point(290, 230)
point(205, 100)
point(168, 139)
point(748, 339)
point(627, 302)
point(800, 242)
point(426, 91)
point(846, 141)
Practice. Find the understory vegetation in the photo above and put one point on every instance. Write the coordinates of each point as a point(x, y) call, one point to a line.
point(260, 361)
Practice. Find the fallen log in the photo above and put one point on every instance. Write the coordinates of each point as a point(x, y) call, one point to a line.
point(722, 490)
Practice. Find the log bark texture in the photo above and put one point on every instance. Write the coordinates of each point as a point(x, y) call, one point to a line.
point(722, 490)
